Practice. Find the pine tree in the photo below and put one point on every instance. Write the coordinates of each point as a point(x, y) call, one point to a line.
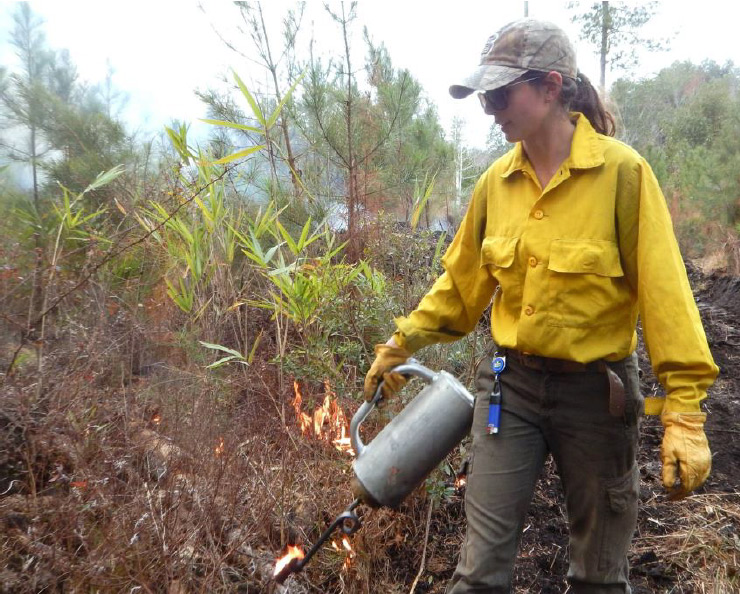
point(614, 29)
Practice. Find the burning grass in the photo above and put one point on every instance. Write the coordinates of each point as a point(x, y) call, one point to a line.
point(190, 489)
point(328, 421)
point(204, 496)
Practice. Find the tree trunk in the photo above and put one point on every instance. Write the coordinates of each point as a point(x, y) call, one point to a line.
point(273, 163)
point(605, 26)
point(352, 172)
point(37, 298)
point(283, 119)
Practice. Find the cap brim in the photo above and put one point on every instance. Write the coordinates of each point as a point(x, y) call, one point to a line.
point(486, 77)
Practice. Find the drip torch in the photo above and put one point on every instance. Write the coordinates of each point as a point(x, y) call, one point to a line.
point(403, 454)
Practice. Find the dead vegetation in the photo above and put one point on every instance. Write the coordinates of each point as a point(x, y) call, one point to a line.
point(164, 476)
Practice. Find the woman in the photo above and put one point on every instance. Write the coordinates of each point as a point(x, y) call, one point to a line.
point(570, 235)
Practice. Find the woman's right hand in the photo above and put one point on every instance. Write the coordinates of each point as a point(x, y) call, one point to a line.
point(387, 356)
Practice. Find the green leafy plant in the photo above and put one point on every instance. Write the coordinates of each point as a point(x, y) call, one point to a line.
point(440, 484)
point(232, 356)
point(266, 122)
point(421, 200)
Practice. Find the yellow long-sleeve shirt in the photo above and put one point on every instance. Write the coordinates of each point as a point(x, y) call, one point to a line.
point(574, 262)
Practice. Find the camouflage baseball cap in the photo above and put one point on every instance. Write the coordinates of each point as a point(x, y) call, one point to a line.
point(526, 44)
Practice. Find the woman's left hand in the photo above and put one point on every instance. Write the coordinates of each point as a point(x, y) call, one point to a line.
point(685, 453)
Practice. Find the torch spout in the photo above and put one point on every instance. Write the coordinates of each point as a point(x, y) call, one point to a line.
point(352, 506)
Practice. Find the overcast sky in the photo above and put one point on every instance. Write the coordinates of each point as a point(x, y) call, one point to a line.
point(162, 50)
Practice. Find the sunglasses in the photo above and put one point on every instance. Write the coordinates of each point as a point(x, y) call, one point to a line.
point(498, 99)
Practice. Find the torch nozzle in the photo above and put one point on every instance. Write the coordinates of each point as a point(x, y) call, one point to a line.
point(293, 566)
point(348, 522)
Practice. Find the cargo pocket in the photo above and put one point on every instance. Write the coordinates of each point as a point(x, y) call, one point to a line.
point(618, 521)
point(585, 284)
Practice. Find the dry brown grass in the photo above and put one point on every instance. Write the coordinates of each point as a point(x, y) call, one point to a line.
point(138, 470)
point(177, 481)
point(124, 490)
point(701, 538)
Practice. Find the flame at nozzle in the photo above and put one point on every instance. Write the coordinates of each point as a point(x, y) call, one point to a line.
point(286, 564)
point(294, 560)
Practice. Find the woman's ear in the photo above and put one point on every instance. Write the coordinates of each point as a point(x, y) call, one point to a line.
point(553, 84)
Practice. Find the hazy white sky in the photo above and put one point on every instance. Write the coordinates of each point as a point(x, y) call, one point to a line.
point(162, 50)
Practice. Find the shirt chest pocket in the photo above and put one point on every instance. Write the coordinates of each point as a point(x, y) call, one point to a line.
point(586, 285)
point(498, 251)
point(498, 254)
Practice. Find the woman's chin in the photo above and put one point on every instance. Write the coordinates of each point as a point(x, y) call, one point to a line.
point(509, 133)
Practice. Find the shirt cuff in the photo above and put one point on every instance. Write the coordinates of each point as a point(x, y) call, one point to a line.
point(656, 405)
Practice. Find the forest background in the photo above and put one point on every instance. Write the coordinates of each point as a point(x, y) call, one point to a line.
point(174, 308)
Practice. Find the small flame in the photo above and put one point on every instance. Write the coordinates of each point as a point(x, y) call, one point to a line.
point(343, 443)
point(460, 482)
point(304, 421)
point(349, 550)
point(328, 421)
point(282, 562)
point(319, 416)
point(220, 447)
point(156, 419)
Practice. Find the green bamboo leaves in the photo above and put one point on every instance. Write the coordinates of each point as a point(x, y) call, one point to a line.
point(264, 259)
point(232, 356)
point(421, 200)
point(73, 218)
point(198, 240)
point(266, 122)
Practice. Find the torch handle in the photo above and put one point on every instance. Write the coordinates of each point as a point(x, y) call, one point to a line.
point(410, 367)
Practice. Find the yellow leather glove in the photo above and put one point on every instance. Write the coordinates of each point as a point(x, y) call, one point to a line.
point(386, 357)
point(685, 452)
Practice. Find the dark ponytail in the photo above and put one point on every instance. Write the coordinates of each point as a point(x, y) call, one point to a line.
point(580, 95)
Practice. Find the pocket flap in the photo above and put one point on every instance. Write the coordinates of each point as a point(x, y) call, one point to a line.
point(498, 251)
point(622, 491)
point(585, 257)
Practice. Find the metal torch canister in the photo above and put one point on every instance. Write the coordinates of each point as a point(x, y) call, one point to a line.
point(414, 443)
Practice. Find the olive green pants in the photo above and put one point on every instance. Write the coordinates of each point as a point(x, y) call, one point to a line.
point(566, 415)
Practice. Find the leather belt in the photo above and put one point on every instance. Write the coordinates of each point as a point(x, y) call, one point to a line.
point(552, 365)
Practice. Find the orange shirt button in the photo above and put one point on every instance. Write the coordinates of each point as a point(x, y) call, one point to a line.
point(529, 310)
point(538, 214)
point(532, 261)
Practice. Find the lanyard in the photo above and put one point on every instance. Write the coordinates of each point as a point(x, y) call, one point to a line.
point(498, 364)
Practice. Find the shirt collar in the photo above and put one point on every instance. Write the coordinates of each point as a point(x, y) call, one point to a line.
point(585, 151)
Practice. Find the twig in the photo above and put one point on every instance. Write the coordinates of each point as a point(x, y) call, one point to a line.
point(424, 552)
point(9, 370)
